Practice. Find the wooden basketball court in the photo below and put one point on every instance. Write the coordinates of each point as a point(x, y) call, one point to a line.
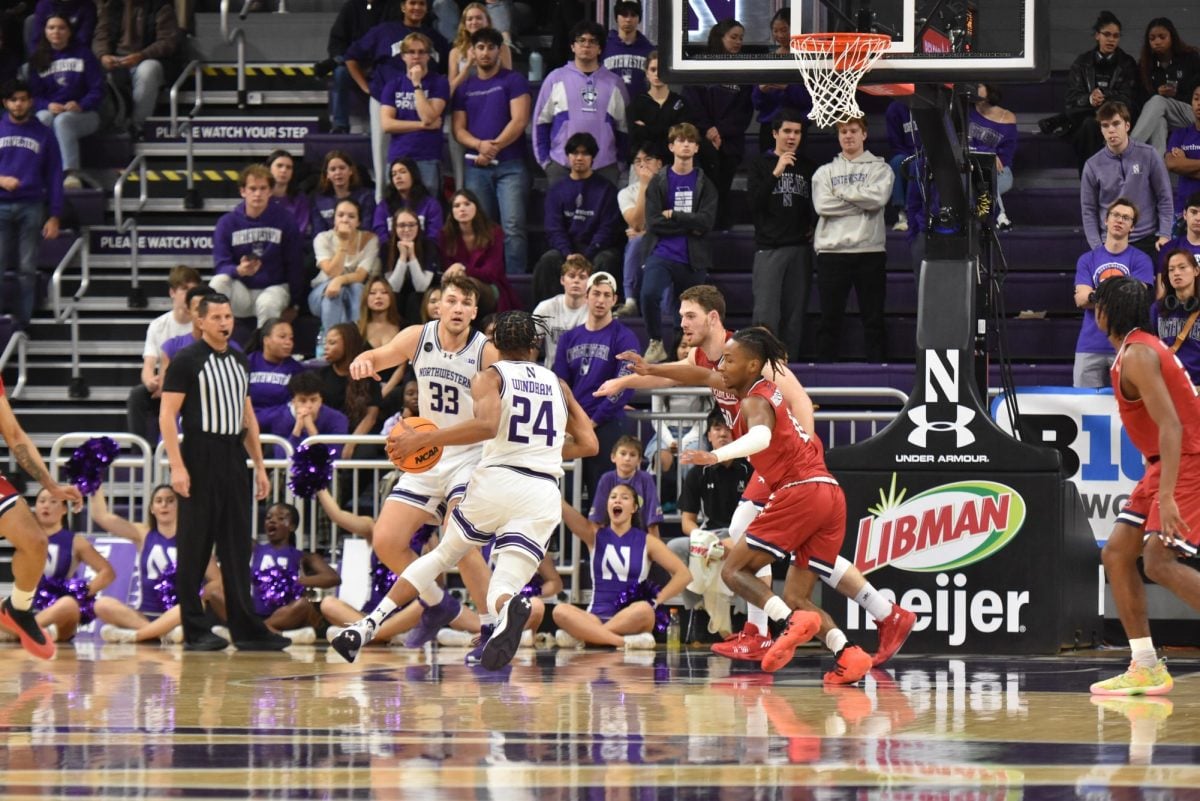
point(119, 721)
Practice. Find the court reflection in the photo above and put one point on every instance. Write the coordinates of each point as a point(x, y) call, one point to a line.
point(120, 720)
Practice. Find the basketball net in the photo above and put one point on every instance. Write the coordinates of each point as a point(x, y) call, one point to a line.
point(832, 64)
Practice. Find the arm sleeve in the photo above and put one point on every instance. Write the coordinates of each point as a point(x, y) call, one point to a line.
point(1078, 90)
point(93, 76)
point(1089, 208)
point(1008, 146)
point(179, 374)
point(543, 121)
point(101, 40)
point(759, 184)
point(561, 368)
point(223, 261)
point(652, 513)
point(873, 193)
point(756, 439)
point(625, 340)
point(556, 226)
point(609, 231)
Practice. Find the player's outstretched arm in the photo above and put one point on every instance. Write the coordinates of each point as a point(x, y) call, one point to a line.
point(392, 354)
point(114, 524)
point(28, 458)
point(635, 380)
point(582, 433)
point(683, 373)
point(760, 423)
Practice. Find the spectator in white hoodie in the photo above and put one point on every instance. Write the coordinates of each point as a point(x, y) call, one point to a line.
point(849, 195)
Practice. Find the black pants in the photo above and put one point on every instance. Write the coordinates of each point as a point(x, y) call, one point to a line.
point(837, 274)
point(218, 512)
point(141, 414)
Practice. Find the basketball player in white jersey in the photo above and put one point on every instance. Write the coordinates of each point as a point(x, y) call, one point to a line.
point(445, 355)
point(522, 411)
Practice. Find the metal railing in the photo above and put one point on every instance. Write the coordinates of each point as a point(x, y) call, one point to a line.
point(17, 343)
point(127, 223)
point(237, 37)
point(67, 311)
point(194, 70)
point(129, 481)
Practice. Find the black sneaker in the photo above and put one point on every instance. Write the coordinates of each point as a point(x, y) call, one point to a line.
point(506, 637)
point(206, 642)
point(272, 642)
point(23, 624)
point(349, 641)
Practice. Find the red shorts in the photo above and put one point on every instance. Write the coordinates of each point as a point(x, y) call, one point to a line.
point(757, 490)
point(8, 495)
point(805, 520)
point(1141, 510)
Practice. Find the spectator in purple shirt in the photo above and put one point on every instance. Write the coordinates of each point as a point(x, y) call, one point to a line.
point(993, 129)
point(380, 53)
point(586, 357)
point(286, 191)
point(31, 195)
point(412, 107)
point(177, 343)
point(1173, 316)
point(81, 14)
point(257, 253)
point(491, 110)
point(1183, 156)
point(627, 49)
point(581, 217)
point(582, 96)
point(340, 179)
point(626, 457)
point(406, 190)
point(304, 415)
point(271, 365)
point(904, 140)
point(68, 85)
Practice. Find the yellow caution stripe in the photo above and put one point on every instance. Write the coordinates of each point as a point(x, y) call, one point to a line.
point(266, 70)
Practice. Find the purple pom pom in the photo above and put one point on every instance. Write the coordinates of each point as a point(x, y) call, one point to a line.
point(534, 588)
point(165, 587)
point(312, 469)
point(645, 591)
point(89, 463)
point(51, 589)
point(421, 538)
point(382, 580)
point(277, 587)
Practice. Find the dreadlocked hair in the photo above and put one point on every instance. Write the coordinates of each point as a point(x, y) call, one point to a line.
point(518, 331)
point(764, 345)
point(1125, 302)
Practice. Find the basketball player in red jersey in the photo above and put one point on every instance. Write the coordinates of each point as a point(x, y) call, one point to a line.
point(1161, 520)
point(805, 514)
point(701, 318)
point(19, 527)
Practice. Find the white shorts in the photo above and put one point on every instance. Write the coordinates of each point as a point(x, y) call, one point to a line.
point(432, 490)
point(520, 509)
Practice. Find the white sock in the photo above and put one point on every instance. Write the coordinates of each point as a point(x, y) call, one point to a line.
point(21, 599)
point(380, 613)
point(487, 619)
point(1144, 654)
point(756, 617)
point(835, 640)
point(776, 609)
point(877, 606)
point(432, 595)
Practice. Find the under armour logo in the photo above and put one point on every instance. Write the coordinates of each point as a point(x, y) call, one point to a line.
point(920, 419)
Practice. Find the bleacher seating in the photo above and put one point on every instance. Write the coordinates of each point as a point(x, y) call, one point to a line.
point(283, 91)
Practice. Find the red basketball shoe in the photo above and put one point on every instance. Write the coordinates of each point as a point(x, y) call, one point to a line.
point(893, 631)
point(852, 664)
point(21, 622)
point(749, 644)
point(801, 627)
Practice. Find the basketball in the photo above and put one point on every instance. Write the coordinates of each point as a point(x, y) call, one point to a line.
point(423, 459)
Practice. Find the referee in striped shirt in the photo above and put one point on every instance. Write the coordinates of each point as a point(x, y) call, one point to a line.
point(206, 387)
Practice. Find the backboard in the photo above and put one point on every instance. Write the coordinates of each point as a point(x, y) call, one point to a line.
point(933, 41)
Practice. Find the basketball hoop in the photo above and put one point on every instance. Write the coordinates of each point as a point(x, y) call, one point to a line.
point(832, 64)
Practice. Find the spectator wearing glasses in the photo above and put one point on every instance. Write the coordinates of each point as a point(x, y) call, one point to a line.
point(582, 96)
point(1115, 256)
point(412, 108)
point(1104, 73)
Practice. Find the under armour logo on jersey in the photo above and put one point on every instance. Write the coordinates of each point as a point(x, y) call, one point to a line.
point(920, 419)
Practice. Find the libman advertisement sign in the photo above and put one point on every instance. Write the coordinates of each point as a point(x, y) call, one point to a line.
point(960, 552)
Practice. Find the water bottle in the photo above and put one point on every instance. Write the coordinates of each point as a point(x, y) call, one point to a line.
point(673, 631)
point(537, 66)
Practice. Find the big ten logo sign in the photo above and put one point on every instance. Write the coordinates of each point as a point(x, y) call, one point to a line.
point(1085, 428)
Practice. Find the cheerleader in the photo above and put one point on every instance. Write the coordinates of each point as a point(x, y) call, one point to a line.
point(621, 556)
point(63, 602)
